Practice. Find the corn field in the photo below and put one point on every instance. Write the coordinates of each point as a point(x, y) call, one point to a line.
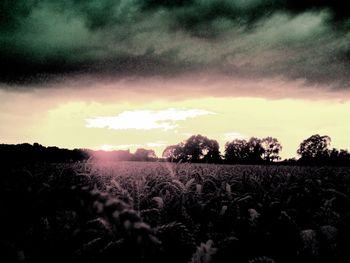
point(166, 212)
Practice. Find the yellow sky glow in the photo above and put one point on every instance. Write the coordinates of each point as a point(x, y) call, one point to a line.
point(128, 124)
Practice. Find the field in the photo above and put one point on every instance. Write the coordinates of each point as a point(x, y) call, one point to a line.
point(162, 212)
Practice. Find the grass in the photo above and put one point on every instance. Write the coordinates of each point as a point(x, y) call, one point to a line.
point(163, 212)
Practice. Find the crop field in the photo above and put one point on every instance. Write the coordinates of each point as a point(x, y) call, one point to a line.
point(166, 212)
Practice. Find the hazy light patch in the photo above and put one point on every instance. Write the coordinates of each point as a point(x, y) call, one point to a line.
point(146, 119)
point(107, 147)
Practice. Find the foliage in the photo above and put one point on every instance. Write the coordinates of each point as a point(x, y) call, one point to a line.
point(166, 212)
point(236, 151)
point(253, 151)
point(195, 149)
point(314, 147)
point(339, 157)
point(174, 153)
point(315, 150)
point(27, 153)
point(272, 148)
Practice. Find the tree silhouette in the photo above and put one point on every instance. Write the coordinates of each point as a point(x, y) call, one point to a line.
point(197, 148)
point(272, 148)
point(200, 148)
point(27, 153)
point(236, 151)
point(255, 150)
point(314, 148)
point(212, 152)
point(242, 151)
point(339, 157)
point(174, 153)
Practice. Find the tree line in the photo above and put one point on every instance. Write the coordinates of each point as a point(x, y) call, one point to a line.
point(199, 148)
point(314, 150)
point(28, 153)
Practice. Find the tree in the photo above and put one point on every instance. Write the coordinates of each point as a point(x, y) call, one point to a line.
point(339, 157)
point(242, 151)
point(236, 151)
point(255, 150)
point(344, 155)
point(197, 148)
point(144, 155)
point(272, 148)
point(212, 152)
point(315, 148)
point(174, 153)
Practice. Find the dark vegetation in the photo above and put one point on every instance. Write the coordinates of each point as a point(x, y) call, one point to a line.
point(36, 153)
point(314, 150)
point(164, 212)
point(61, 205)
point(27, 153)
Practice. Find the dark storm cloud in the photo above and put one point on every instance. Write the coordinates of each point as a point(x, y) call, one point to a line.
point(43, 40)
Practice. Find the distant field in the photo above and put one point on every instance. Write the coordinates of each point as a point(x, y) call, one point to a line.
point(130, 168)
point(164, 212)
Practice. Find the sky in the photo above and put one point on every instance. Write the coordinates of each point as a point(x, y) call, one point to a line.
point(146, 73)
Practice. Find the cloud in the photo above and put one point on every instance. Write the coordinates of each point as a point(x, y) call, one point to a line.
point(156, 144)
point(44, 41)
point(146, 119)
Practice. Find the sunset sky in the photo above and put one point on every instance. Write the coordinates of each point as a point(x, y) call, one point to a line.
point(129, 74)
